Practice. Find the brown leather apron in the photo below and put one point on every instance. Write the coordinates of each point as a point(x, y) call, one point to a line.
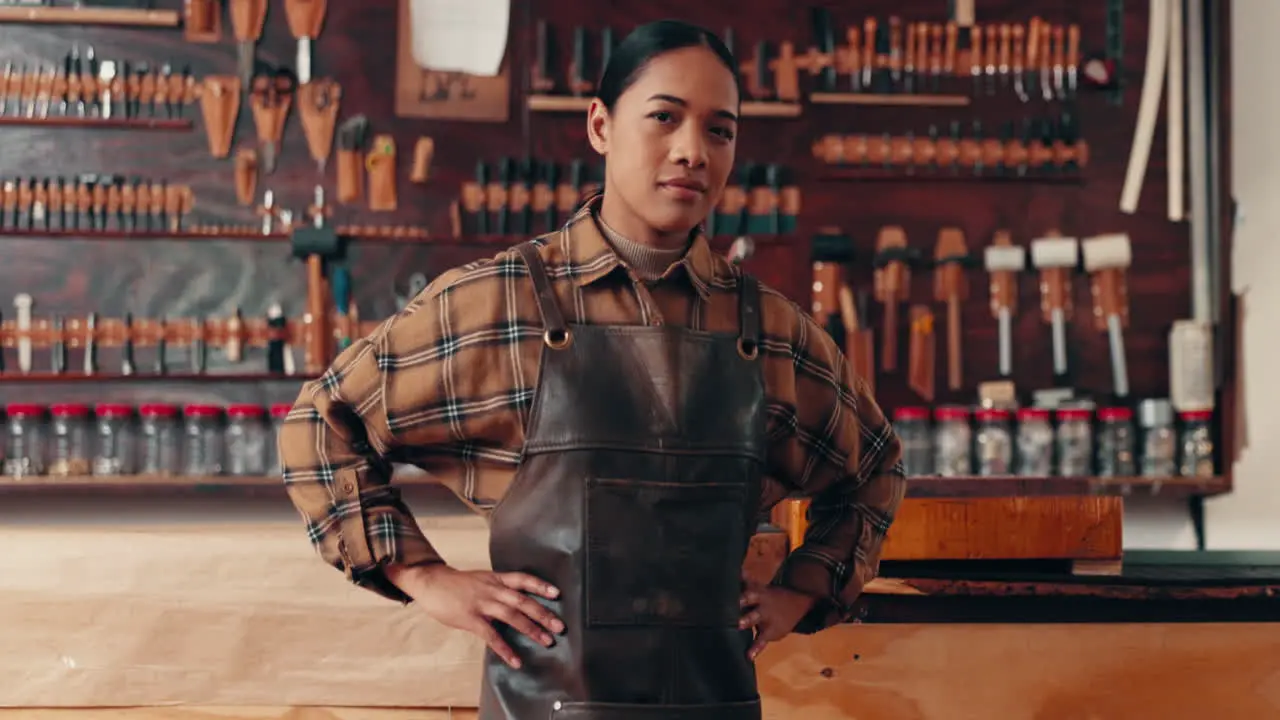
point(637, 497)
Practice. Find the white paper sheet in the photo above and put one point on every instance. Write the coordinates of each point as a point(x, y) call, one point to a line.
point(468, 36)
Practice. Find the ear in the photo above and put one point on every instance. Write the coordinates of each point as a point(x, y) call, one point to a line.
point(598, 126)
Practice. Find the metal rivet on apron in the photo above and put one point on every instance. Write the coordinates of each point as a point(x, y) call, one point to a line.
point(556, 705)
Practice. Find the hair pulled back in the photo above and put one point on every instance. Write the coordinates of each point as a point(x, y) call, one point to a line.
point(649, 41)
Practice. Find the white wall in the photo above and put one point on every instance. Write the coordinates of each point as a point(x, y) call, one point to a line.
point(1248, 518)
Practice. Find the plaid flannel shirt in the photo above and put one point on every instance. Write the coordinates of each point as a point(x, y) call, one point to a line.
point(447, 385)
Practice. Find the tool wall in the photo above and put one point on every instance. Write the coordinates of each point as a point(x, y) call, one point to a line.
point(1018, 129)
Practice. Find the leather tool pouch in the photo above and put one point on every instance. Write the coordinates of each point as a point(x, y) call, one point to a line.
point(381, 165)
point(350, 176)
point(318, 103)
point(423, 151)
point(246, 175)
point(220, 106)
point(202, 21)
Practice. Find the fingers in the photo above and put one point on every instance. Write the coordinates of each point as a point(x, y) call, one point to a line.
point(750, 620)
point(533, 609)
point(522, 623)
point(750, 598)
point(529, 583)
point(756, 647)
point(499, 646)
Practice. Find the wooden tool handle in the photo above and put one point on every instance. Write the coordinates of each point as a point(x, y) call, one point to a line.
point(889, 337)
point(922, 350)
point(1110, 297)
point(317, 337)
point(955, 365)
point(1055, 293)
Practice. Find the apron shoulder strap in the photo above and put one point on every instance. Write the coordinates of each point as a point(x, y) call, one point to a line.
point(552, 319)
point(748, 312)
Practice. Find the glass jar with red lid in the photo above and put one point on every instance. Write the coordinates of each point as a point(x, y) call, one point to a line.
point(993, 443)
point(1075, 442)
point(912, 427)
point(1035, 443)
point(279, 412)
point(202, 446)
point(1196, 443)
point(1116, 443)
point(114, 441)
point(159, 439)
point(246, 437)
point(69, 449)
point(952, 442)
point(24, 437)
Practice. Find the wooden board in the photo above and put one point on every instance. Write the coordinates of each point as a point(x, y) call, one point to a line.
point(944, 672)
point(423, 93)
point(990, 528)
point(1006, 528)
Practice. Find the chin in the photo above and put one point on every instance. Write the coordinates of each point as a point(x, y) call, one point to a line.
point(674, 221)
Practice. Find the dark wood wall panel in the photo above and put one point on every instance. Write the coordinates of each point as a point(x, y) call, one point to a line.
point(358, 49)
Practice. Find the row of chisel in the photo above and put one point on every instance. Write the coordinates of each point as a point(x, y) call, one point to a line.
point(83, 333)
point(89, 203)
point(86, 87)
point(1036, 59)
point(524, 196)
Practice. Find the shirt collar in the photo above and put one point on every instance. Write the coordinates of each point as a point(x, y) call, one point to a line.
point(590, 258)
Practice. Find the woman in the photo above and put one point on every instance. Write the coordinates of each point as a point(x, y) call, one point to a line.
point(623, 404)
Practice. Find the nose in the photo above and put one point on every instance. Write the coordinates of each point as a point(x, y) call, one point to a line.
point(689, 146)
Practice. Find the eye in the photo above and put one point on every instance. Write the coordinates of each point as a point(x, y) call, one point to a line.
point(724, 133)
point(662, 116)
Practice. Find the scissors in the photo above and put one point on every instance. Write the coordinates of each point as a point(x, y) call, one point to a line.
point(417, 283)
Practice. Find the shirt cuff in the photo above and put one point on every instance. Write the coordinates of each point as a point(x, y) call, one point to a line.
point(821, 578)
point(369, 541)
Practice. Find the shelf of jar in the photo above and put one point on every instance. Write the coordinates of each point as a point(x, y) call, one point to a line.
point(919, 487)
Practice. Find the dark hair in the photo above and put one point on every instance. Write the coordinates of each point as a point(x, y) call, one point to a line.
point(648, 41)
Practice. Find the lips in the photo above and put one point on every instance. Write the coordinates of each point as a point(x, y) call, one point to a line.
point(685, 184)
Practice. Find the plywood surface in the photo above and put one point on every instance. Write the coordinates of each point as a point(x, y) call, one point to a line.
point(950, 672)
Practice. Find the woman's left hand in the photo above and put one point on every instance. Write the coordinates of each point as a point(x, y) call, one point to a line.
point(773, 612)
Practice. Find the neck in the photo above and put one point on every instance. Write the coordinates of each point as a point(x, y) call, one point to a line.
point(625, 223)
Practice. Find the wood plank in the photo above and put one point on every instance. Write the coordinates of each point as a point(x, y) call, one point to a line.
point(1007, 528)
point(913, 672)
point(1053, 527)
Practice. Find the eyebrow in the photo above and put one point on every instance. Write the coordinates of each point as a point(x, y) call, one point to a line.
point(680, 101)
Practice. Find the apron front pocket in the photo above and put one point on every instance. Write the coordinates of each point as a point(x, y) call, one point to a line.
point(747, 710)
point(664, 553)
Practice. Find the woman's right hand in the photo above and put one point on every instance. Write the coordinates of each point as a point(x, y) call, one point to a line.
point(473, 600)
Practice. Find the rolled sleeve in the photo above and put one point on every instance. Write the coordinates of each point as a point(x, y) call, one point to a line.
point(845, 456)
point(333, 447)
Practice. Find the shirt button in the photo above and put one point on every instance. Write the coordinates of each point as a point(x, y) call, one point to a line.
point(348, 487)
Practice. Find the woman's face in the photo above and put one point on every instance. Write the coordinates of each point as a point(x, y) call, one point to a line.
point(670, 140)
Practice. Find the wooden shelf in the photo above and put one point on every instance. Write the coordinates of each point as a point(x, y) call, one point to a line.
point(120, 123)
point(248, 235)
point(925, 175)
point(1016, 486)
point(570, 104)
point(15, 378)
point(131, 17)
point(906, 100)
point(918, 487)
